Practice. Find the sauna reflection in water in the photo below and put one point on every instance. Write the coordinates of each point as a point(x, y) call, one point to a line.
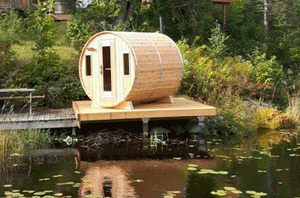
point(108, 181)
point(141, 178)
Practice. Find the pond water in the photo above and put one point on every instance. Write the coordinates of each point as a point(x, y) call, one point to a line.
point(266, 165)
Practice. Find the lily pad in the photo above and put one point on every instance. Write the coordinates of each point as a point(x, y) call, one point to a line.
point(58, 194)
point(223, 172)
point(8, 193)
point(213, 192)
point(176, 192)
point(192, 168)
point(236, 192)
point(87, 181)
point(177, 158)
point(261, 194)
point(15, 191)
point(55, 176)
point(139, 180)
point(221, 192)
point(76, 185)
point(251, 192)
point(7, 185)
point(39, 193)
point(229, 188)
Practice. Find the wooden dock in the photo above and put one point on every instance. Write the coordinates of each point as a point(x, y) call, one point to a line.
point(54, 118)
point(82, 112)
point(180, 108)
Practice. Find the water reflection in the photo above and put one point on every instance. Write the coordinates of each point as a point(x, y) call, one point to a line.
point(145, 178)
point(107, 181)
point(266, 139)
point(267, 162)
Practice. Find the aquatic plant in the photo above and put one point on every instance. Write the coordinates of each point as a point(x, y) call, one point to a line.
point(23, 142)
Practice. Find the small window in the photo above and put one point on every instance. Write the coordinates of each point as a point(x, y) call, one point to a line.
point(88, 65)
point(126, 64)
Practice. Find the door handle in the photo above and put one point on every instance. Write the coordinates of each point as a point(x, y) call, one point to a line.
point(101, 69)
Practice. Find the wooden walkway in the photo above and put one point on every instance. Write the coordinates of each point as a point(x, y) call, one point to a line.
point(44, 119)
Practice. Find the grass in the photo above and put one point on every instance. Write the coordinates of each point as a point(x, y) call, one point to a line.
point(24, 51)
point(23, 142)
point(293, 110)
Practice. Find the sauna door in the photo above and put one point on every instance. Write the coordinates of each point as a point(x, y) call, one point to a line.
point(106, 69)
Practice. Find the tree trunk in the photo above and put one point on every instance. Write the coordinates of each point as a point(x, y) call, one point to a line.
point(266, 19)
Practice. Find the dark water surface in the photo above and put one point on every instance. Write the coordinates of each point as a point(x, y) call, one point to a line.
point(267, 165)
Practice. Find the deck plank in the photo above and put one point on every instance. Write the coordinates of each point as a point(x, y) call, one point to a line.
point(44, 119)
point(180, 108)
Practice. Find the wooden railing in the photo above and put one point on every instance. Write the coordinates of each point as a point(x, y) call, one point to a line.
point(23, 90)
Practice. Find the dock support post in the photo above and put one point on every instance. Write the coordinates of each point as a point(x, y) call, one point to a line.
point(74, 131)
point(201, 121)
point(145, 127)
point(30, 103)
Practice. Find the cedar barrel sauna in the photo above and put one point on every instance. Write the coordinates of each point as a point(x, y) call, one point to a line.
point(118, 69)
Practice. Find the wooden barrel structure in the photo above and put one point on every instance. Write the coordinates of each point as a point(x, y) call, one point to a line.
point(116, 67)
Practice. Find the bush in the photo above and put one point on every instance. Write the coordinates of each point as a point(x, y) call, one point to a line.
point(217, 48)
point(271, 118)
point(213, 81)
point(267, 118)
point(221, 83)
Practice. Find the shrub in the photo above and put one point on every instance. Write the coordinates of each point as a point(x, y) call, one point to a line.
point(217, 48)
point(213, 81)
point(267, 118)
point(271, 118)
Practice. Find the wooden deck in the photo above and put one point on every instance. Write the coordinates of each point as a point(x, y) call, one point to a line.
point(58, 118)
point(180, 108)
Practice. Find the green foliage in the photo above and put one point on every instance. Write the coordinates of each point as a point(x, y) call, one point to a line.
point(10, 26)
point(267, 71)
point(78, 31)
point(217, 43)
point(244, 24)
point(213, 81)
point(43, 66)
point(66, 89)
point(100, 15)
point(41, 26)
point(223, 84)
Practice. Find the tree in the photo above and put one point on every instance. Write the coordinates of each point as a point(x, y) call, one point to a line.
point(10, 26)
point(44, 63)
